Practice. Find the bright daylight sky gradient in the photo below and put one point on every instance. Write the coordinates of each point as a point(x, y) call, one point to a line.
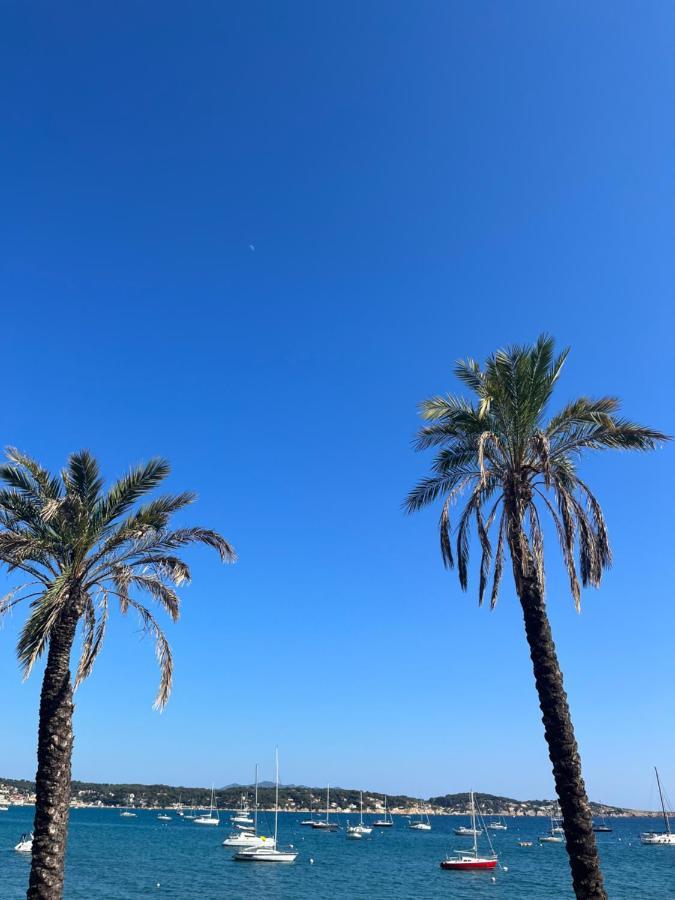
point(419, 182)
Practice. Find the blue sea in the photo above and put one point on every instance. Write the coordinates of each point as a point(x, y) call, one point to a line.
point(113, 858)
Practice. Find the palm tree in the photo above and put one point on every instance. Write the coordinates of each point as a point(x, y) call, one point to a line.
point(84, 548)
point(514, 468)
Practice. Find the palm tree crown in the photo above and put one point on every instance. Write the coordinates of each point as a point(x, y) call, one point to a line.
point(498, 450)
point(83, 546)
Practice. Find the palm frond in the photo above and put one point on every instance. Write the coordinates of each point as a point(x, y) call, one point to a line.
point(37, 630)
point(181, 537)
point(130, 488)
point(94, 632)
point(82, 477)
point(160, 591)
point(499, 561)
point(162, 652)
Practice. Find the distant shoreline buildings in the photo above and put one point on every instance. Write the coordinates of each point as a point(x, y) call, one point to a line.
point(292, 799)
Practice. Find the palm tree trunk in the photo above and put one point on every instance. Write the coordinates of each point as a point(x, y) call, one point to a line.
point(562, 746)
point(55, 746)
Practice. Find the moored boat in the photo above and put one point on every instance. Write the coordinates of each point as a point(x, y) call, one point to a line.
point(602, 826)
point(665, 837)
point(386, 821)
point(25, 844)
point(209, 819)
point(471, 860)
point(360, 829)
point(422, 823)
point(268, 852)
point(249, 837)
point(325, 824)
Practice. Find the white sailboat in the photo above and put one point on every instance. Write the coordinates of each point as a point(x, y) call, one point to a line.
point(325, 824)
point(309, 821)
point(210, 819)
point(386, 821)
point(243, 817)
point(357, 831)
point(25, 844)
point(267, 852)
point(665, 837)
point(422, 823)
point(467, 860)
point(472, 829)
point(250, 837)
point(556, 833)
point(498, 824)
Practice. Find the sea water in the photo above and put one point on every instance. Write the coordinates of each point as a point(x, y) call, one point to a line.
point(115, 858)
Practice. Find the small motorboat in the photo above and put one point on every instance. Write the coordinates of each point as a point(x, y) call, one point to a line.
point(524, 843)
point(25, 844)
point(163, 817)
point(551, 839)
point(128, 814)
point(353, 834)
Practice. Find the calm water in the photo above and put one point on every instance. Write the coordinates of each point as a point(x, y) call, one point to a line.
point(111, 858)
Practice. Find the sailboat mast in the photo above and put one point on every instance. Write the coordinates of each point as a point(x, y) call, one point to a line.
point(663, 805)
point(276, 794)
point(255, 814)
point(327, 801)
point(473, 825)
point(361, 801)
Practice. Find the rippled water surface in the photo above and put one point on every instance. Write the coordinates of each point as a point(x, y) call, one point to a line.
point(111, 858)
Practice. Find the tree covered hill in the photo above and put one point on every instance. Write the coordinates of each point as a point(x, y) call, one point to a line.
point(292, 797)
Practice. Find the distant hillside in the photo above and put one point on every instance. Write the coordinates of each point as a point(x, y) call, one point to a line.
point(292, 798)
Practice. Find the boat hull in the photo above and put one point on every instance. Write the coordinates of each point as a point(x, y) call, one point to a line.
point(467, 865)
point(655, 837)
point(268, 856)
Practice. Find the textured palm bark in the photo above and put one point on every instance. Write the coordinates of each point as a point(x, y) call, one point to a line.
point(562, 746)
point(55, 746)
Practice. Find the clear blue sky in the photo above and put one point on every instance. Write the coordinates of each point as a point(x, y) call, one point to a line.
point(420, 182)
